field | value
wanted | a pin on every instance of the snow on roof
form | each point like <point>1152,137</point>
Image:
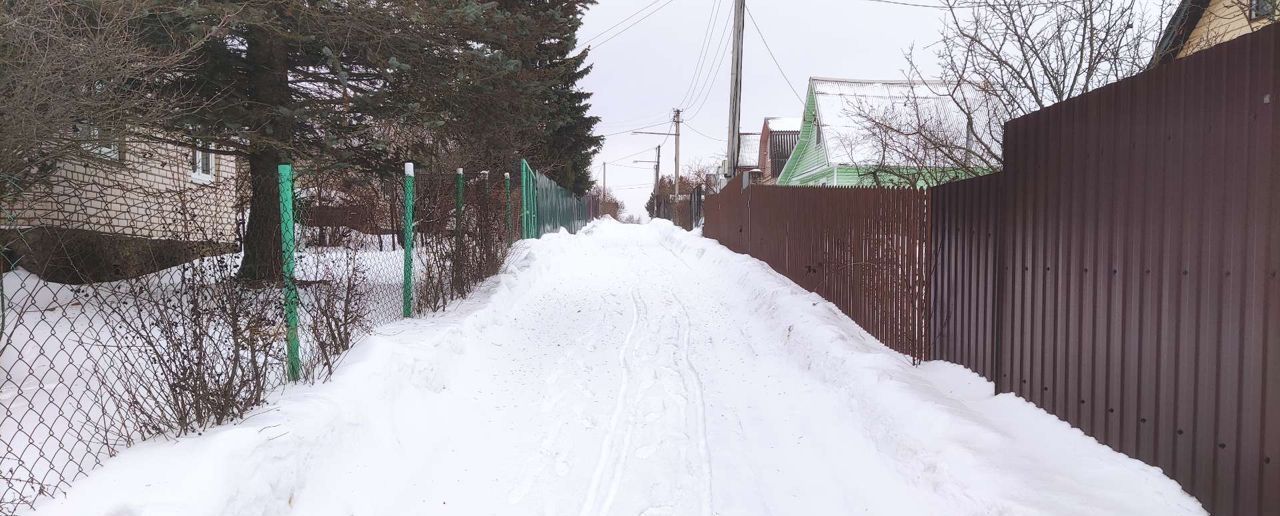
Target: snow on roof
<point>841,101</point>
<point>784,123</point>
<point>749,150</point>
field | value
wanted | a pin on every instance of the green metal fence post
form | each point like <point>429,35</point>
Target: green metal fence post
<point>4,300</point>
<point>506,184</point>
<point>408,240</point>
<point>526,201</point>
<point>293,360</point>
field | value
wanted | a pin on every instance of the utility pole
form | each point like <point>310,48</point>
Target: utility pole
<point>657,168</point>
<point>605,182</point>
<point>677,123</point>
<point>735,84</point>
<point>657,162</point>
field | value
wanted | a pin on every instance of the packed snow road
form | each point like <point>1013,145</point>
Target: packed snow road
<point>632,370</point>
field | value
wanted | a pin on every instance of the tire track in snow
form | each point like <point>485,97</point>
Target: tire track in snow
<point>606,447</point>
<point>689,375</point>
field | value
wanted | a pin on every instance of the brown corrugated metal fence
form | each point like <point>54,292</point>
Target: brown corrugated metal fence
<point>1123,272</point>
<point>963,284</point>
<point>863,249</point>
<point>1138,297</point>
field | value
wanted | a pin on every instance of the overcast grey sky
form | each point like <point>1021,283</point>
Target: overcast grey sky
<point>641,74</point>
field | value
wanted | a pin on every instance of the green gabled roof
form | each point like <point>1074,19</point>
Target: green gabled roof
<point>809,159</point>
<point>812,163</point>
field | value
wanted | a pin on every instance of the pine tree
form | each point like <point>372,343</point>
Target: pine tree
<point>564,142</point>
<point>362,86</point>
<point>325,82</point>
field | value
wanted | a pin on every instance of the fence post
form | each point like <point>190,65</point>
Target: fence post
<point>483,234</point>
<point>293,360</point>
<point>506,183</point>
<point>408,240</point>
<point>527,206</point>
<point>458,240</point>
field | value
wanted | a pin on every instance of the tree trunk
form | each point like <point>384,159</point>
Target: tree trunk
<point>268,83</point>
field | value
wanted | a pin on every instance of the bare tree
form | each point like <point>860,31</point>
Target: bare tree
<point>609,204</point>
<point>74,80</point>
<point>999,60</point>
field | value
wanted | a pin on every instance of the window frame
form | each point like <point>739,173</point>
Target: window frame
<point>99,142</point>
<point>204,165</point>
<point>1261,9</point>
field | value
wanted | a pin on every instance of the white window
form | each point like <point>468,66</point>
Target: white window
<point>1261,9</point>
<point>98,141</point>
<point>202,165</point>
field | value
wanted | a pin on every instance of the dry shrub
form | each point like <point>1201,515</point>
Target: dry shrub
<point>337,311</point>
<point>196,347</point>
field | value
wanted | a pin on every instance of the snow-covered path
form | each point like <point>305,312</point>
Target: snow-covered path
<point>635,370</point>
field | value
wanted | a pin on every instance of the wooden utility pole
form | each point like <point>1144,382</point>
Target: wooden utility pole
<point>677,123</point>
<point>735,85</point>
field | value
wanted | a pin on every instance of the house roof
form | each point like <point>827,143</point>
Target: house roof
<point>838,103</point>
<point>1175,35</point>
<point>781,124</point>
<point>748,150</point>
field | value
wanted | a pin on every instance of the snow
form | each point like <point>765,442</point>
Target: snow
<point>784,123</point>
<point>632,369</point>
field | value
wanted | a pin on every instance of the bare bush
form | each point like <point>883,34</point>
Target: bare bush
<point>75,81</point>
<point>337,308</point>
<point>197,347</point>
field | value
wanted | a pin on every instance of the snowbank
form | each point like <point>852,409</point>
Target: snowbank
<point>632,370</point>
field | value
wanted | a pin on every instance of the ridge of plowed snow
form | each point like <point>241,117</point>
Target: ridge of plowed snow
<point>632,369</point>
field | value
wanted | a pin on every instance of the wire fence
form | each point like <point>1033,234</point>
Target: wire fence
<point>123,316</point>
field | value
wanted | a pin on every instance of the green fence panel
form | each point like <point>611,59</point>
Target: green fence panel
<point>547,206</point>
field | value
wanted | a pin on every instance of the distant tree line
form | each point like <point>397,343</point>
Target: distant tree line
<point>342,86</point>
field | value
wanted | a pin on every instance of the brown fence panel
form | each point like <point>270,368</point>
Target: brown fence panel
<point>725,216</point>
<point>963,283</point>
<point>864,249</point>
<point>1123,272</point>
<point>1136,242</point>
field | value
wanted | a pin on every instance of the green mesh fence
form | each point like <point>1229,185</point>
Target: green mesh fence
<point>122,315</point>
<point>547,206</point>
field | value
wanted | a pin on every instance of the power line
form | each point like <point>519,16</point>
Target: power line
<point>636,129</point>
<point>649,169</point>
<point>651,119</point>
<point>711,84</point>
<point>704,135</point>
<point>773,57</point>
<point>620,22</point>
<point>707,33</point>
<point>907,4</point>
<point>633,24</point>
<point>704,91</point>
<point>972,5</point>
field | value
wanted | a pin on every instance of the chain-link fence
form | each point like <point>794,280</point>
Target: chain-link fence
<point>123,317</point>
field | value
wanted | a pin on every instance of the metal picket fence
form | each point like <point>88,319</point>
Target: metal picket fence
<point>549,207</point>
<point>123,317</point>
